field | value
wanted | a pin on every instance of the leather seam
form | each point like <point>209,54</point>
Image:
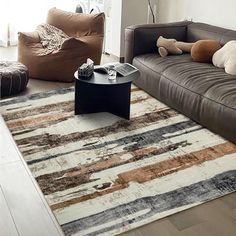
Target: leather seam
<point>128,42</point>
<point>202,96</point>
<point>156,27</point>
<point>210,31</point>
<point>215,32</point>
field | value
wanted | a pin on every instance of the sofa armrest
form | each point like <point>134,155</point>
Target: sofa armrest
<point>141,39</point>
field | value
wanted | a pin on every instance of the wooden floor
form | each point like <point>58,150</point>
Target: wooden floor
<point>215,218</point>
<point>23,209</point>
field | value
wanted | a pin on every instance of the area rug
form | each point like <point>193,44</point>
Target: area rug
<point>103,175</point>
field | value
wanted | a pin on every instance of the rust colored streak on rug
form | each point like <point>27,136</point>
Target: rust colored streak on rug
<point>154,171</point>
<point>63,180</point>
<point>31,123</point>
<point>117,159</point>
<point>31,111</point>
<point>146,173</point>
<point>140,99</point>
<point>135,89</point>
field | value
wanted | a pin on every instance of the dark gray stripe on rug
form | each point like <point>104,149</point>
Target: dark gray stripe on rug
<point>35,96</point>
<point>153,136</point>
<point>132,142</point>
<point>202,191</point>
<point>40,142</point>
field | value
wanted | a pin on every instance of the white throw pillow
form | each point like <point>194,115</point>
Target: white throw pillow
<point>226,57</point>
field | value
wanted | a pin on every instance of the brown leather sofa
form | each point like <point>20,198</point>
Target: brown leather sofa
<point>86,32</point>
<point>200,91</point>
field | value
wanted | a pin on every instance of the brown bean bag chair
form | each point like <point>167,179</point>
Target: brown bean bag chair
<point>86,32</point>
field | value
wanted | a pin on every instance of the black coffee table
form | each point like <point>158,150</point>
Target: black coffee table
<point>99,94</point>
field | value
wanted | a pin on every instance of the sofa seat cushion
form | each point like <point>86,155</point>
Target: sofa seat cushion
<point>152,67</point>
<point>200,91</point>
<point>203,79</point>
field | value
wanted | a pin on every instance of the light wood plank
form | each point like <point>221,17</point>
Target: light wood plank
<point>161,227</point>
<point>230,201</point>
<point>187,219</point>
<point>8,152</point>
<point>225,228</point>
<point>7,225</point>
<point>29,210</point>
<point>25,204</point>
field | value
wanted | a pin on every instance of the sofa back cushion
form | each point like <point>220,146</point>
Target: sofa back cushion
<point>198,31</point>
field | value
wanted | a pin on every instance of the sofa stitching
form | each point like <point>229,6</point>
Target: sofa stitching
<point>157,27</point>
<point>225,34</point>
<point>210,31</point>
<point>186,88</point>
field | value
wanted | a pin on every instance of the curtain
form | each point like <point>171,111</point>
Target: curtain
<point>3,23</point>
<point>25,15</point>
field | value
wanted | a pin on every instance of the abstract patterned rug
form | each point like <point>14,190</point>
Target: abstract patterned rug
<point>102,175</point>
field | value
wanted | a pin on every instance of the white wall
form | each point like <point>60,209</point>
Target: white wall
<point>216,12</point>
<point>133,12</point>
<point>123,14</point>
<point>115,24</point>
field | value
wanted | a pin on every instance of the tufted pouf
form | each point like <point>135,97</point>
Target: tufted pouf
<point>14,78</point>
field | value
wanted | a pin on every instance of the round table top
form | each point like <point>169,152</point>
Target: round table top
<point>102,79</point>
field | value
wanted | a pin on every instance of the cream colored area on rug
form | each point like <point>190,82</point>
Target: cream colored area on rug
<point>103,175</point>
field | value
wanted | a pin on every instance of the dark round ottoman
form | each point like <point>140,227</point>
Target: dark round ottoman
<point>14,78</point>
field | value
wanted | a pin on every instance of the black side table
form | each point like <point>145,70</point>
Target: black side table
<point>99,94</point>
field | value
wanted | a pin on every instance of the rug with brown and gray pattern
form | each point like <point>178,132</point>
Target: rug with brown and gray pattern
<point>103,175</point>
